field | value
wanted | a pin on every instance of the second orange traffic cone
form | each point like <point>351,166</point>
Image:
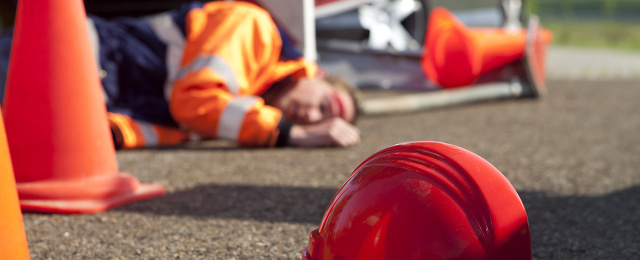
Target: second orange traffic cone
<point>13,241</point>
<point>454,55</point>
<point>56,120</point>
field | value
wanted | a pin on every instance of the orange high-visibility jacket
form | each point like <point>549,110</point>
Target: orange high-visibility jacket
<point>231,55</point>
<point>194,72</point>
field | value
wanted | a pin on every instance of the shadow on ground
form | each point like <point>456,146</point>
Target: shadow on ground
<point>306,205</point>
<point>611,220</point>
<point>580,227</point>
<point>259,203</point>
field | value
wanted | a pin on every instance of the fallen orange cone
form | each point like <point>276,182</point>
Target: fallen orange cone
<point>56,120</point>
<point>13,241</point>
<point>455,56</point>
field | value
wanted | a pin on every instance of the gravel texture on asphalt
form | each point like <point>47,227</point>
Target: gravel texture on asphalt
<point>573,156</point>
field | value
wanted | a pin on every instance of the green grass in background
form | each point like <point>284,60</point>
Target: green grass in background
<point>601,34</point>
<point>589,9</point>
<point>591,23</point>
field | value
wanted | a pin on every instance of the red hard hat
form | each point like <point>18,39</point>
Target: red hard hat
<point>423,200</point>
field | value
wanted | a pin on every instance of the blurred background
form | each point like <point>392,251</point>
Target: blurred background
<point>588,23</point>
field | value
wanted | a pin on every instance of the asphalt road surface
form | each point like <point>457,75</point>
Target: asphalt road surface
<point>573,156</point>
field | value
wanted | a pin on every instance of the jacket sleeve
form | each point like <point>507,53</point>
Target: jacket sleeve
<point>202,105</point>
<point>231,51</point>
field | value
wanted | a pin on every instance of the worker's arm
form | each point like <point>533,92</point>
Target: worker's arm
<point>202,104</point>
<point>210,111</point>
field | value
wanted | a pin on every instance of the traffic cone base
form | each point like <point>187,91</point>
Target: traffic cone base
<point>85,196</point>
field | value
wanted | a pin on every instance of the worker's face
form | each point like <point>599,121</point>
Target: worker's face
<point>313,100</point>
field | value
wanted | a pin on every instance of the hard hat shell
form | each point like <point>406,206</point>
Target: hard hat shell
<point>423,200</point>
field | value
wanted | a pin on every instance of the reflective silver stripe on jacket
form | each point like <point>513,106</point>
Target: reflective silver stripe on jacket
<point>231,120</point>
<point>150,135</point>
<point>95,47</point>
<point>216,64</point>
<point>166,29</point>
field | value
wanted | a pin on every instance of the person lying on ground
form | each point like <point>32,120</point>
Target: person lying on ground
<point>214,70</point>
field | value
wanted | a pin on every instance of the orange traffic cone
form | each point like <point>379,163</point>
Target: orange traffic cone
<point>57,127</point>
<point>454,55</point>
<point>13,240</point>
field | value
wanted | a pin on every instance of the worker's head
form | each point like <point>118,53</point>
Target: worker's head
<point>311,100</point>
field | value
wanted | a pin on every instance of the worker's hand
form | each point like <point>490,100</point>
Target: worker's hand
<point>331,132</point>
